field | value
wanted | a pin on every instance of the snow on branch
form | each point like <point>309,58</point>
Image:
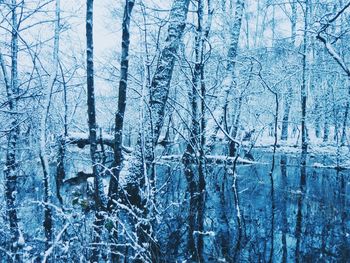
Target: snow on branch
<point>334,54</point>
<point>49,251</point>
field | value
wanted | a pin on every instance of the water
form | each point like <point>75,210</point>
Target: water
<point>295,216</point>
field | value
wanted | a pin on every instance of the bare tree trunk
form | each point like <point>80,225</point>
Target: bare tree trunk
<point>318,118</point>
<point>232,54</point>
<point>257,23</point>
<point>326,110</point>
<point>189,158</point>
<point>141,175</point>
<point>304,142</point>
<point>234,128</point>
<point>272,192</point>
<point>163,74</point>
<point>195,168</point>
<point>43,123</point>
<point>228,82</point>
<point>294,20</point>
<point>60,171</point>
<point>273,204</point>
<point>345,119</point>
<point>288,97</point>
<point>285,120</point>
<point>98,185</point>
<point>119,122</point>
<point>11,165</point>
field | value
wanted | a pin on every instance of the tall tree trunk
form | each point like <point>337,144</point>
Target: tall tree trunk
<point>232,54</point>
<point>119,122</point>
<point>228,82</point>
<point>11,165</point>
<point>294,20</point>
<point>235,125</point>
<point>98,184</point>
<point>285,119</point>
<point>326,109</point>
<point>304,142</point>
<point>190,160</point>
<point>288,97</point>
<point>345,118</point>
<point>60,170</point>
<point>273,204</point>
<point>195,168</point>
<point>43,123</point>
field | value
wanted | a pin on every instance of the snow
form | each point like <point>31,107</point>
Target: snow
<point>209,158</point>
<point>28,248</point>
<point>21,242</point>
<point>85,135</point>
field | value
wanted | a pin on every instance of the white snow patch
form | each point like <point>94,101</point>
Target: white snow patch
<point>21,240</point>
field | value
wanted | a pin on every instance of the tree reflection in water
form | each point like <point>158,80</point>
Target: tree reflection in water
<point>297,215</point>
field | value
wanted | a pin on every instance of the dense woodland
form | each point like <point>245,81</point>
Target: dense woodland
<point>174,131</point>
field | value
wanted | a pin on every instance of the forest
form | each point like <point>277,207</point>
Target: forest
<point>174,131</point>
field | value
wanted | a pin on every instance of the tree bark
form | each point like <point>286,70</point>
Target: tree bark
<point>288,97</point>
<point>48,224</point>
<point>304,143</point>
<point>119,121</point>
<point>98,184</point>
<point>228,81</point>
<point>11,165</point>
<point>141,174</point>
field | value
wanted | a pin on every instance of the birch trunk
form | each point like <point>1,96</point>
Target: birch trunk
<point>228,82</point>
<point>141,175</point>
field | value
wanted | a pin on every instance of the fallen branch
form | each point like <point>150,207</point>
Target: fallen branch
<point>82,140</point>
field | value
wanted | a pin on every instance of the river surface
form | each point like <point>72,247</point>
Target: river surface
<point>297,215</point>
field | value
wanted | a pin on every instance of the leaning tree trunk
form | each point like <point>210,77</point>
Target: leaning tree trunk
<point>141,175</point>
<point>119,123</point>
<point>228,82</point>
